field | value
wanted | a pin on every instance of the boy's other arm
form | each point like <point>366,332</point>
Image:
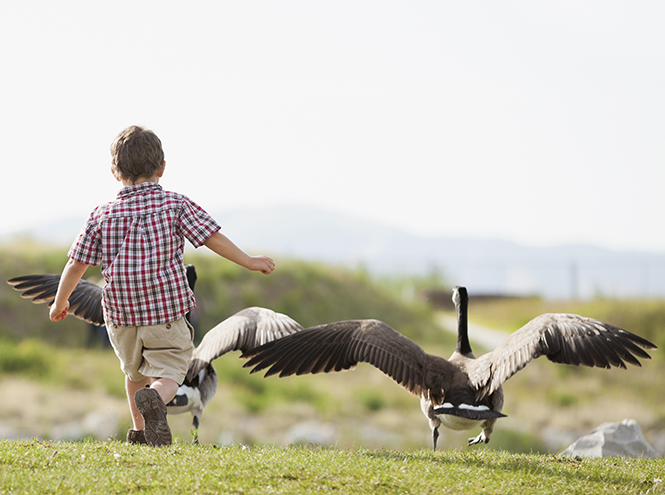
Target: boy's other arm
<point>224,247</point>
<point>71,275</point>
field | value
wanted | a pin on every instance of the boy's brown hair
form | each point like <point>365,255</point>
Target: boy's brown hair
<point>136,152</point>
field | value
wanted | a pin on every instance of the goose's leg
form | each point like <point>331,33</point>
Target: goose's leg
<point>195,424</point>
<point>434,422</point>
<point>479,439</point>
<point>484,437</point>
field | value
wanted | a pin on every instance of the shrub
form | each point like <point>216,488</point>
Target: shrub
<point>29,357</point>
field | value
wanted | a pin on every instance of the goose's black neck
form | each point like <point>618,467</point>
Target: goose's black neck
<point>461,300</point>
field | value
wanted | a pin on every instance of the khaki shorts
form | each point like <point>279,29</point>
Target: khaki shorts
<point>157,351</point>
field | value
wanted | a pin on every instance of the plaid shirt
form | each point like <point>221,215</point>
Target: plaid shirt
<point>139,240</point>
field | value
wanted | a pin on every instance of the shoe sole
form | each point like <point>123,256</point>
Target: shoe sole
<point>157,431</point>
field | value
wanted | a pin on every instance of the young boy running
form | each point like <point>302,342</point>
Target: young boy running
<point>139,241</point>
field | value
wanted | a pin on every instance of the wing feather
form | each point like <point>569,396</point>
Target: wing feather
<point>85,302</point>
<point>562,338</point>
<point>341,346</point>
<point>243,331</point>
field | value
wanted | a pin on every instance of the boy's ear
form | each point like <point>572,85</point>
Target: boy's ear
<point>160,171</point>
<point>115,174</point>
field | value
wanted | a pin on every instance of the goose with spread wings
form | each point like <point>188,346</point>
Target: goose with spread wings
<point>462,392</point>
<point>243,331</point>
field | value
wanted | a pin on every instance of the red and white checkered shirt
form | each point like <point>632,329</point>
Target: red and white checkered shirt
<point>139,239</point>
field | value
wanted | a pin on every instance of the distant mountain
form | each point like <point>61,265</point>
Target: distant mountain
<point>484,266</point>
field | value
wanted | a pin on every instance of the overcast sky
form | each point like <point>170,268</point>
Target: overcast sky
<point>538,122</point>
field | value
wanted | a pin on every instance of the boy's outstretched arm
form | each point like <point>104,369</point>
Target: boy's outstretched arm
<point>71,275</point>
<point>224,247</point>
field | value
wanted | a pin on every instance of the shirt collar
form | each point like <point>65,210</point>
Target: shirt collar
<point>141,188</point>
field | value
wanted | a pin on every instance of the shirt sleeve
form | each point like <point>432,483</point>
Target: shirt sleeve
<point>196,224</point>
<point>87,246</point>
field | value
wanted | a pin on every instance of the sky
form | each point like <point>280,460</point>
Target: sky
<point>537,122</point>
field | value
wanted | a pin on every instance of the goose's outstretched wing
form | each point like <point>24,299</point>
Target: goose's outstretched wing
<point>341,346</point>
<point>84,303</point>
<point>244,331</point>
<point>562,338</point>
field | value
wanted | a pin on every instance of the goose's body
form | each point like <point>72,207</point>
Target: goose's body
<point>243,332</point>
<point>462,392</point>
<point>193,396</point>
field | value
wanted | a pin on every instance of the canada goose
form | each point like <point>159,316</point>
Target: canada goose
<point>243,331</point>
<point>462,392</point>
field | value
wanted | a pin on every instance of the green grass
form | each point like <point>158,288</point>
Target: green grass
<point>113,467</point>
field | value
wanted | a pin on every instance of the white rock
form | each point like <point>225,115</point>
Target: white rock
<point>623,439</point>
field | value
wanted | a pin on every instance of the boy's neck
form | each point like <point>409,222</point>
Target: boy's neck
<point>140,180</point>
<point>153,178</point>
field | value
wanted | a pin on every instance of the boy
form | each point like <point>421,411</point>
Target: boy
<point>139,241</point>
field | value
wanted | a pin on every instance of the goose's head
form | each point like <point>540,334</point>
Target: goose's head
<point>460,296</point>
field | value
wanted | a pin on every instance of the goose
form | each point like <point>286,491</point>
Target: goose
<point>462,392</point>
<point>243,331</point>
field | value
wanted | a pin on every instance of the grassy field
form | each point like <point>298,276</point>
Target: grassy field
<point>94,467</point>
<point>376,436</point>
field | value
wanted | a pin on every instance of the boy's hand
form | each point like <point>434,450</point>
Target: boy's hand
<point>58,313</point>
<point>71,275</point>
<point>262,264</point>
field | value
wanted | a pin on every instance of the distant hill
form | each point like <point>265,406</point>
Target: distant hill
<point>483,265</point>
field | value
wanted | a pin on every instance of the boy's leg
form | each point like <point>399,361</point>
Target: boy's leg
<point>153,409</point>
<point>127,346</point>
<point>132,387</point>
<point>165,387</point>
<point>166,348</point>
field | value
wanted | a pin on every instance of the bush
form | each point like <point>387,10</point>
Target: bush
<point>29,357</point>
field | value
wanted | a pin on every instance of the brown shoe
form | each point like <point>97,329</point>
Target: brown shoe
<point>153,409</point>
<point>135,437</point>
